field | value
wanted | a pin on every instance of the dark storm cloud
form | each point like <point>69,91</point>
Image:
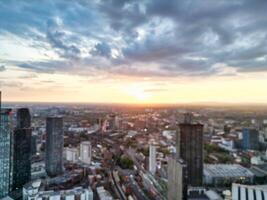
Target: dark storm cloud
<point>123,15</point>
<point>150,38</point>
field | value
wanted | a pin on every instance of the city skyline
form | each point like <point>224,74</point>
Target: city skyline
<point>124,152</point>
<point>133,51</point>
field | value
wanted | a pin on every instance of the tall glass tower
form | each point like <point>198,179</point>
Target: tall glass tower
<point>54,146</point>
<point>22,149</point>
<point>189,147</point>
<point>5,151</point>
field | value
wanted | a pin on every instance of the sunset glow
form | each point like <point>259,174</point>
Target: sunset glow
<point>132,52</point>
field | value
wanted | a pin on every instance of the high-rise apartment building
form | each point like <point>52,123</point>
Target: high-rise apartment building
<point>189,147</point>
<point>54,146</point>
<point>152,159</point>
<point>86,152</point>
<point>5,152</point>
<point>177,179</point>
<point>21,170</point>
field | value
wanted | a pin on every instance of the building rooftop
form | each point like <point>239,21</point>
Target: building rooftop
<point>226,170</point>
<point>261,168</point>
<point>34,188</point>
<point>103,194</point>
<point>33,184</point>
<point>260,187</point>
<point>76,190</point>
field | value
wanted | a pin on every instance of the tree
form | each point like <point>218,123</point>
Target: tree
<point>126,162</point>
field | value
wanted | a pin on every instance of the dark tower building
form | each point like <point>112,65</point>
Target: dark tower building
<point>21,158</point>
<point>34,145</point>
<point>22,149</point>
<point>54,146</point>
<point>23,118</point>
<point>189,147</point>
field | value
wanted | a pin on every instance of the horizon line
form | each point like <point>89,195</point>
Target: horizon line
<point>200,103</point>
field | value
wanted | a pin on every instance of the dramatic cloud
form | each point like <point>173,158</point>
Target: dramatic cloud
<point>138,38</point>
<point>101,49</point>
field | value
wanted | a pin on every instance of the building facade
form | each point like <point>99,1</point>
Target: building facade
<point>54,146</point>
<point>86,152</point>
<point>250,139</point>
<point>177,179</point>
<point>23,118</point>
<point>189,147</point>
<point>152,159</point>
<point>21,158</point>
<point>5,152</point>
<point>22,149</point>
<point>71,154</point>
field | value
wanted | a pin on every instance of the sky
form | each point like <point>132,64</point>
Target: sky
<point>134,51</point>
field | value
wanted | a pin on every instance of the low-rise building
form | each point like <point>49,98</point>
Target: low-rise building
<point>38,170</point>
<point>221,174</point>
<point>35,191</point>
<point>256,160</point>
<point>71,154</point>
<point>247,192</point>
<point>200,193</point>
<point>103,194</point>
<point>260,173</point>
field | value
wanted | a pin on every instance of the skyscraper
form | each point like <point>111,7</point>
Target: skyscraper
<point>177,179</point>
<point>189,147</point>
<point>152,159</point>
<point>5,151</point>
<point>33,144</point>
<point>85,152</point>
<point>23,118</point>
<point>112,122</point>
<point>22,149</point>
<point>250,139</point>
<point>54,146</point>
